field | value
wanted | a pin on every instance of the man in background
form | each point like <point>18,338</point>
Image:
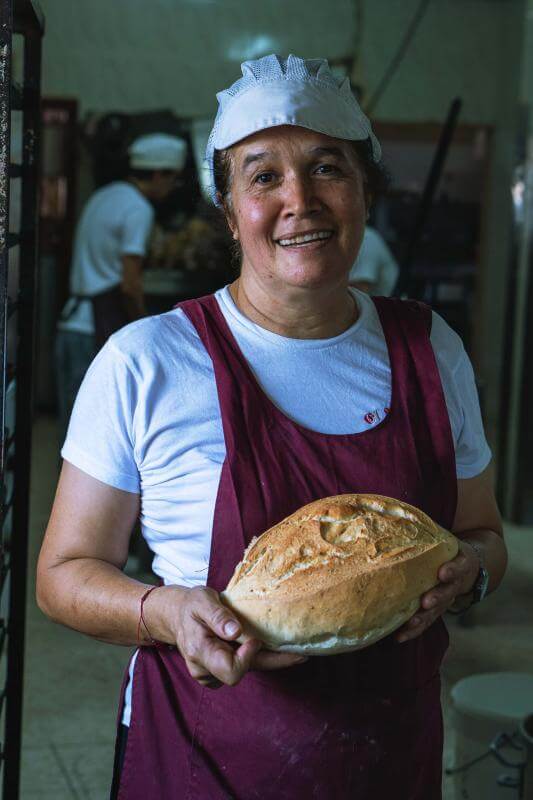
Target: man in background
<point>375,270</point>
<point>110,244</point>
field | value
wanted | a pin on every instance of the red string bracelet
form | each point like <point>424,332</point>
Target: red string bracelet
<point>142,621</point>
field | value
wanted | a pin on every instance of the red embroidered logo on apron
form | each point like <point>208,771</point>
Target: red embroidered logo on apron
<point>375,416</point>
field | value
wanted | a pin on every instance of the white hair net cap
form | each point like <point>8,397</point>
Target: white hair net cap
<point>158,151</point>
<point>287,91</point>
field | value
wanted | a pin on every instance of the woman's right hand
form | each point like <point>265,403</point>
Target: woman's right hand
<point>205,631</point>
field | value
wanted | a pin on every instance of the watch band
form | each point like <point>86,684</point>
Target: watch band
<point>481,585</point>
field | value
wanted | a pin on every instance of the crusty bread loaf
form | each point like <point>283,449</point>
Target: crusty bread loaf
<point>339,574</point>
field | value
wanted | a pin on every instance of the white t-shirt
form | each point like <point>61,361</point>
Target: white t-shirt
<point>115,222</point>
<point>147,417</point>
<point>375,264</point>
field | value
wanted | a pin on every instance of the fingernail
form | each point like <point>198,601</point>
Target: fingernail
<point>231,628</point>
<point>301,660</point>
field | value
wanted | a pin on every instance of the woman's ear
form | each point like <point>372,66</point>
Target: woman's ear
<point>230,219</point>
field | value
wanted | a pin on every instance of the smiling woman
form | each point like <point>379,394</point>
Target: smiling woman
<point>329,159</point>
<point>298,210</point>
<point>219,419</point>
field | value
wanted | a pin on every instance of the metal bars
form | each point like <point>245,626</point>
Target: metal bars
<point>6,27</point>
<point>22,17</point>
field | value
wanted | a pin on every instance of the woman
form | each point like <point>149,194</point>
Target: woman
<point>218,419</point>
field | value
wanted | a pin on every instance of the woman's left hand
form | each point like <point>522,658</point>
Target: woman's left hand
<point>456,577</point>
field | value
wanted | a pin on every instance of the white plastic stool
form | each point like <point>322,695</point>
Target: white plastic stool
<point>484,706</point>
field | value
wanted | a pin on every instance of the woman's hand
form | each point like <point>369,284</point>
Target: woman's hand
<point>456,577</point>
<point>205,631</point>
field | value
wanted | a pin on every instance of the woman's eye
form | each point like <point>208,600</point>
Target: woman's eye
<point>264,177</point>
<point>326,169</point>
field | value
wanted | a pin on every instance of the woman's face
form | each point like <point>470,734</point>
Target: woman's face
<point>297,207</point>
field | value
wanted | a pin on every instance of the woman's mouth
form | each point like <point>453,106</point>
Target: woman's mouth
<point>303,239</point>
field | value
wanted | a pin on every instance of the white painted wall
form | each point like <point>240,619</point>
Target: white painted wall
<point>133,54</point>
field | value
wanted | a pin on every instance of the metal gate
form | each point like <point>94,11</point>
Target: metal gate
<point>19,148</point>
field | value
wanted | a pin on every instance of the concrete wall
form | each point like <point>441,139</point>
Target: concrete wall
<point>132,55</point>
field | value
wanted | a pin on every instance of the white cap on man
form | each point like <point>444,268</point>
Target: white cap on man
<point>158,151</point>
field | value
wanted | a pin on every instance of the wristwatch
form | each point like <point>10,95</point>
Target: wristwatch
<point>465,601</point>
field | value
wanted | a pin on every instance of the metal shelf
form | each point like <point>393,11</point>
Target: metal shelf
<point>25,18</point>
<point>16,97</point>
<point>3,516</point>
<point>12,307</point>
<point>3,636</point>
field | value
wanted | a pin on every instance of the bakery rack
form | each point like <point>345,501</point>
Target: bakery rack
<point>21,23</point>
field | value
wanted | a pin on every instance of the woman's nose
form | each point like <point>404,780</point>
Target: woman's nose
<point>300,196</point>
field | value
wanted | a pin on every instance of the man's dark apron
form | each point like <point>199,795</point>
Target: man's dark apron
<point>364,725</point>
<point>109,313</point>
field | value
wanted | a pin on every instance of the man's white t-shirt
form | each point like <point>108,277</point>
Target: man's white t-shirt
<point>147,417</point>
<point>375,265</point>
<point>116,221</point>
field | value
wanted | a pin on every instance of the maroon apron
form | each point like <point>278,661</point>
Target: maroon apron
<point>363,725</point>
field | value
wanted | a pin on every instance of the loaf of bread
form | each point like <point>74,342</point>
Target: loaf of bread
<point>337,575</point>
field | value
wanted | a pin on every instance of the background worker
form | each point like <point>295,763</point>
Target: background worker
<point>106,273</point>
<point>375,270</point>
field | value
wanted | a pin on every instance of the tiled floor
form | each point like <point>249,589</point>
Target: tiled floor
<point>72,682</point>
<point>499,639</point>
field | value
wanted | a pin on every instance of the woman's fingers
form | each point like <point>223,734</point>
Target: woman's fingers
<point>432,605</point>
<point>456,577</point>
<point>441,596</point>
<point>417,624</point>
<point>267,660</point>
<point>209,610</point>
<point>252,657</point>
<point>206,640</point>
<point>206,679</point>
<point>245,655</point>
<point>222,661</point>
<point>462,570</point>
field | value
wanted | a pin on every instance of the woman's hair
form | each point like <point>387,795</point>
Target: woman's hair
<point>376,176</point>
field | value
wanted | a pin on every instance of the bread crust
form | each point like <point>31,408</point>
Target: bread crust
<point>338,574</point>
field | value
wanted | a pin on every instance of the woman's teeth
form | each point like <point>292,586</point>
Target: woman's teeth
<point>305,238</point>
